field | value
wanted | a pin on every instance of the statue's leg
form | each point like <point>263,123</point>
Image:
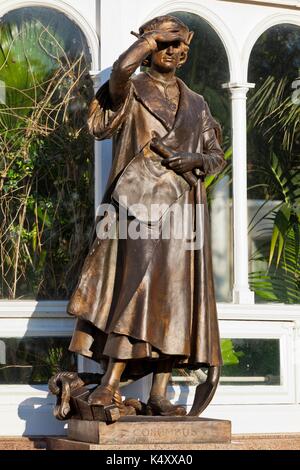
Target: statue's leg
<point>161,377</point>
<point>158,404</point>
<point>103,394</point>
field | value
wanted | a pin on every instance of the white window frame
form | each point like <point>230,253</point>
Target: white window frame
<point>29,408</point>
<point>48,318</point>
<point>253,394</point>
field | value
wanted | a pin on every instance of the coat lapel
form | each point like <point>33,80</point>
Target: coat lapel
<point>183,132</point>
<point>147,93</point>
<point>187,128</point>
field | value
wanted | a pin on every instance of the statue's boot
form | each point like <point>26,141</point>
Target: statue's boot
<point>159,405</point>
<point>102,396</point>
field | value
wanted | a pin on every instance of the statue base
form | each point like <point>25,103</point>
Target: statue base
<point>143,430</point>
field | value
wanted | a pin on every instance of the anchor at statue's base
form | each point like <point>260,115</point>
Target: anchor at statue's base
<point>74,399</point>
<point>124,423</point>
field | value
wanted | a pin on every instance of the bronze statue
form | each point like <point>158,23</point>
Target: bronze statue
<point>147,304</point>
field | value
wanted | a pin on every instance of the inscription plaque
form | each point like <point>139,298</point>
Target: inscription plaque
<point>147,430</point>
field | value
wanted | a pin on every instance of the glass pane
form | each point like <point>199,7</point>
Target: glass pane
<point>46,154</point>
<point>274,165</point>
<point>246,362</point>
<point>256,362</point>
<point>204,72</point>
<point>34,360</point>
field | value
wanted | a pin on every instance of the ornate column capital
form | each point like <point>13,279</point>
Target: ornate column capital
<point>238,90</point>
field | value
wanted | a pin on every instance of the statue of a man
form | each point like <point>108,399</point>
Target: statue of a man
<point>147,304</point>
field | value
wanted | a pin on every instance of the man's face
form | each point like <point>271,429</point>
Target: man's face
<point>167,57</point>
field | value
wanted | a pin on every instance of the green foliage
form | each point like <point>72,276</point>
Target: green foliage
<point>286,217</point>
<point>274,164</point>
<point>230,358</point>
<point>229,355</point>
<point>27,58</point>
<point>273,111</point>
<point>279,283</point>
<point>257,357</point>
<point>35,359</point>
<point>46,169</point>
<point>207,69</point>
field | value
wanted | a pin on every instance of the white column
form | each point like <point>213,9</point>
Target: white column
<point>84,364</point>
<point>220,239</point>
<point>96,77</point>
<point>241,291</point>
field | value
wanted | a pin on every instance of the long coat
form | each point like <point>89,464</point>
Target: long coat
<point>141,299</point>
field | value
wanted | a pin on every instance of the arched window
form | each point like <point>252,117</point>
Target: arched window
<point>274,165</point>
<point>46,209</point>
<point>205,71</point>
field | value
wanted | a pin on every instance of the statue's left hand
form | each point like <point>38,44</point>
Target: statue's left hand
<point>181,162</point>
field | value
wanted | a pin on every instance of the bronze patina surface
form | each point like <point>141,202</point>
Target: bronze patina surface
<point>148,304</point>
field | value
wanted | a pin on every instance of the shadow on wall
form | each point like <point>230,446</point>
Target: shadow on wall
<point>37,412</point>
<point>30,361</point>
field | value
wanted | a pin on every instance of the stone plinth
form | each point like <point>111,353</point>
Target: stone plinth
<point>150,430</point>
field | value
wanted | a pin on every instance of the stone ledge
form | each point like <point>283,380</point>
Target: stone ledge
<point>290,441</point>
<point>22,443</point>
<point>239,442</point>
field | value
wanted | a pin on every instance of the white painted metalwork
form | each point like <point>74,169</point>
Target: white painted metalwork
<point>28,409</point>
